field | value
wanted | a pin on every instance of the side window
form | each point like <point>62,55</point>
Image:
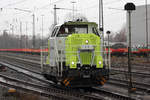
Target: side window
<point>56,31</point>
<point>53,33</point>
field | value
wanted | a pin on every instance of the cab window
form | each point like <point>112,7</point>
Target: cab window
<point>70,29</point>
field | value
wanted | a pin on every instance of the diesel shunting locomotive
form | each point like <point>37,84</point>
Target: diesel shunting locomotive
<point>75,55</point>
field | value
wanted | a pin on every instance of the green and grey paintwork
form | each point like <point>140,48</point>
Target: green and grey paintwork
<point>71,44</point>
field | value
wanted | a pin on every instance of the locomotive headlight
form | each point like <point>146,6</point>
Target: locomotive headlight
<point>100,62</point>
<point>72,63</point>
<point>86,41</point>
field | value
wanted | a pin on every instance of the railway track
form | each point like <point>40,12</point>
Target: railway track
<point>136,73</point>
<point>117,63</point>
<point>37,65</point>
<point>21,55</point>
<point>142,87</point>
<point>27,72</point>
<point>25,63</point>
<point>140,80</point>
<point>111,94</point>
<point>48,90</point>
<point>38,89</point>
<point>22,58</point>
<point>106,94</point>
<point>59,93</point>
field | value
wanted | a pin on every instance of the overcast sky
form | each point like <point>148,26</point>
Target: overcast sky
<point>114,17</point>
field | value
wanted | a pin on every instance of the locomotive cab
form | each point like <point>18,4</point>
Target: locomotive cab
<point>74,56</point>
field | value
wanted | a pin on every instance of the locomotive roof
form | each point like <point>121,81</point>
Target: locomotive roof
<point>80,23</point>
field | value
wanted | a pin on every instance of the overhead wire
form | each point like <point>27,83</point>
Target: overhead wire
<point>123,1</point>
<point>57,1</point>
<point>106,3</point>
<point>93,6</point>
<point>15,3</point>
<point>114,1</point>
<point>51,4</point>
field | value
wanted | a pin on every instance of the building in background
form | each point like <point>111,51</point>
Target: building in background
<point>138,26</point>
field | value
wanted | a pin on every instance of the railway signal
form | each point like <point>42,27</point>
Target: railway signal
<point>129,7</point>
<point>108,33</point>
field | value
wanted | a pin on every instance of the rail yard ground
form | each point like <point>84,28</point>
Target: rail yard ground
<point>18,95</point>
<point>140,66</point>
<point>117,84</point>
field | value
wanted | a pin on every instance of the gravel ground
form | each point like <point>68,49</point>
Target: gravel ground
<point>18,95</point>
<point>22,96</point>
<point>139,64</point>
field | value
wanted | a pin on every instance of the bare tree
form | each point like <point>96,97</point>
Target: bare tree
<point>121,36</point>
<point>11,41</point>
<point>111,37</point>
<point>118,37</point>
